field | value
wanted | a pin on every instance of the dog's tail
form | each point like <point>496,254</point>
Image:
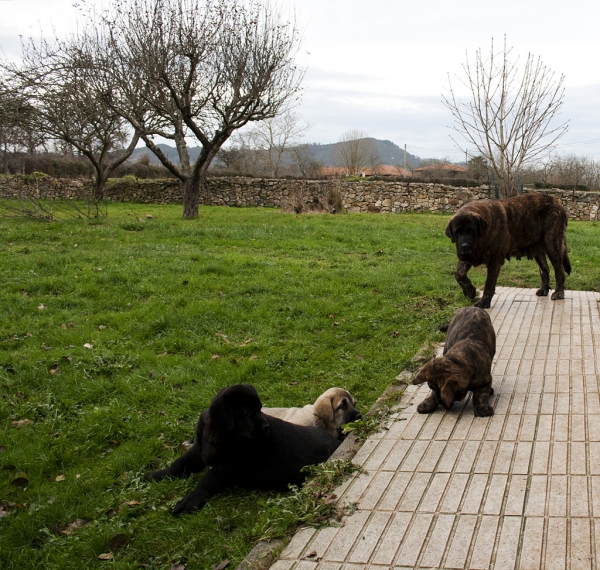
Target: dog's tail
<point>566,261</point>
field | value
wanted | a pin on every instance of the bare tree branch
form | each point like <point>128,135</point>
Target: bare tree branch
<point>510,115</point>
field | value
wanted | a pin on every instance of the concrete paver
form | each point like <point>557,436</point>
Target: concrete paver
<point>520,489</point>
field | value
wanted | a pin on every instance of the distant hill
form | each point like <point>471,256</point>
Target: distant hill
<point>389,153</point>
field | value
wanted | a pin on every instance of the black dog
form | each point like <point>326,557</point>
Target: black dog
<point>465,365</point>
<point>244,447</point>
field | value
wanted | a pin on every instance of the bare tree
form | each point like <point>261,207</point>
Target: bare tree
<point>277,135</point>
<point>67,105</point>
<point>196,69</point>
<point>18,129</point>
<point>509,116</point>
<point>303,156</point>
<point>355,152</point>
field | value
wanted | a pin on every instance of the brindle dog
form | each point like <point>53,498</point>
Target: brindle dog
<point>491,231</point>
<point>465,365</point>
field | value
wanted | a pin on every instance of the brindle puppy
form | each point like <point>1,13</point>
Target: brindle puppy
<point>489,232</point>
<point>465,365</point>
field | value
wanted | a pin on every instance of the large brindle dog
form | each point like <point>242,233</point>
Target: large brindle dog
<point>465,365</point>
<point>244,447</point>
<point>491,231</point>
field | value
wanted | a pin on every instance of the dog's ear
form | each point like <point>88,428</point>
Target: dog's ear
<point>482,225</point>
<point>450,232</point>
<point>221,414</point>
<point>447,394</point>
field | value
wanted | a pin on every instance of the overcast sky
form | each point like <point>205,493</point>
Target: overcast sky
<point>381,66</point>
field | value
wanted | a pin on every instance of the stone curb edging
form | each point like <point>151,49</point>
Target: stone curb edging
<point>265,552</point>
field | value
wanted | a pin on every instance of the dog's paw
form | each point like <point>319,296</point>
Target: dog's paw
<point>558,295</point>
<point>483,303</point>
<point>542,292</point>
<point>428,405</point>
<point>155,475</point>
<point>470,291</point>
<point>187,505</point>
<point>483,411</point>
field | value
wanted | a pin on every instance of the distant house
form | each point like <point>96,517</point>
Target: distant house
<point>381,170</point>
<point>440,171</point>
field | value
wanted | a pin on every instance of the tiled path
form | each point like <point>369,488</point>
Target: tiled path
<point>518,490</point>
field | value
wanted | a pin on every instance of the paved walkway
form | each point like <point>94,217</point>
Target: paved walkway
<point>518,490</point>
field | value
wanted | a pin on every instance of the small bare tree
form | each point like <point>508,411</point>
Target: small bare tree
<point>67,105</point>
<point>509,116</point>
<point>196,69</point>
<point>275,136</point>
<point>355,152</point>
<point>303,156</point>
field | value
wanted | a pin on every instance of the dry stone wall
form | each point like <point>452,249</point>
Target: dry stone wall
<point>357,196</point>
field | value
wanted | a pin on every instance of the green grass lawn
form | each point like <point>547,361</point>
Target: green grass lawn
<point>116,334</point>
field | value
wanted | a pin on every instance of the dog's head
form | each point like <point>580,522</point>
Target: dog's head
<point>465,230</point>
<point>334,408</point>
<point>234,414</point>
<point>445,379</point>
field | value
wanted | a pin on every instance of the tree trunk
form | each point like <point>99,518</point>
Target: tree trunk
<point>191,196</point>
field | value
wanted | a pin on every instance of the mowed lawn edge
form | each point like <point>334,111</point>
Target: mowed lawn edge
<point>117,333</point>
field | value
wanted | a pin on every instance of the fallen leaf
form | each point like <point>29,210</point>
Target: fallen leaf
<point>117,542</point>
<point>293,383</point>
<point>335,324</point>
<point>247,342</point>
<point>3,513</point>
<point>71,527</point>
<point>75,245</point>
<point>331,499</point>
<point>88,346</point>
<point>111,513</point>
<point>51,500</point>
<point>223,336</point>
<point>131,503</point>
<point>63,326</point>
<point>360,357</point>
<point>177,567</point>
<point>311,554</point>
<point>148,216</point>
<point>106,556</point>
<point>60,477</point>
<point>101,327</point>
<point>214,356</point>
<point>53,369</point>
<point>20,423</point>
<point>395,334</point>
<point>221,565</point>
<point>41,306</point>
<point>332,316</point>
<point>253,357</point>
<point>20,481</point>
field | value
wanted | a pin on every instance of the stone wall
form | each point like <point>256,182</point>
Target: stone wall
<point>299,195</point>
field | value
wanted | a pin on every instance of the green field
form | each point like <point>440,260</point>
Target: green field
<point>171,311</point>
